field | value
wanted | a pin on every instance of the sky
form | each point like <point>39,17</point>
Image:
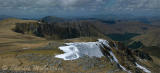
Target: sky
<point>77,7</point>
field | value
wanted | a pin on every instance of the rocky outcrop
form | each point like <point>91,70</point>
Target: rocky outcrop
<point>142,55</point>
<point>60,30</point>
<point>125,58</point>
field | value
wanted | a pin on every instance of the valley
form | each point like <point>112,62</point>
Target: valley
<point>31,46</point>
<point>79,36</point>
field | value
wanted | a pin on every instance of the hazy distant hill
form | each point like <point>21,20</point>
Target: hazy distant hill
<point>52,19</point>
<point>108,26</point>
<point>5,17</point>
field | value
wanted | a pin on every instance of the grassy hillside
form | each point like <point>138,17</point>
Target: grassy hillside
<point>151,38</point>
<point>10,40</point>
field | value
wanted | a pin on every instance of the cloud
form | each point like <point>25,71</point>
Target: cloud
<point>47,3</point>
<point>138,4</point>
<point>50,6</point>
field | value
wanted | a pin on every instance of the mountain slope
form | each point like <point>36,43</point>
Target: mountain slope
<point>123,58</point>
<point>151,38</point>
<point>10,40</point>
<point>25,50</point>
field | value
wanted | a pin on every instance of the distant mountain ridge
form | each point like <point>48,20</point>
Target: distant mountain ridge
<point>52,19</point>
<point>5,17</point>
<point>56,27</point>
<point>72,28</point>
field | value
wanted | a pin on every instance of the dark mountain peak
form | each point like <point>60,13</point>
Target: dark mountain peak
<point>52,19</point>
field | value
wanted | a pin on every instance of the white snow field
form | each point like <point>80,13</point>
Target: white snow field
<point>76,50</point>
<point>79,49</point>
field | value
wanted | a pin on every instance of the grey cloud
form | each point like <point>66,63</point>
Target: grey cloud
<point>77,5</point>
<point>138,4</point>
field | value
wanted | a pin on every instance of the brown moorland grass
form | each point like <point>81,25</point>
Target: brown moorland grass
<point>10,40</point>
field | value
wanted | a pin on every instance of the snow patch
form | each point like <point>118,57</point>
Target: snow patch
<point>71,53</point>
<point>105,42</point>
<point>78,49</point>
<point>116,60</point>
<point>143,68</point>
<point>25,48</point>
